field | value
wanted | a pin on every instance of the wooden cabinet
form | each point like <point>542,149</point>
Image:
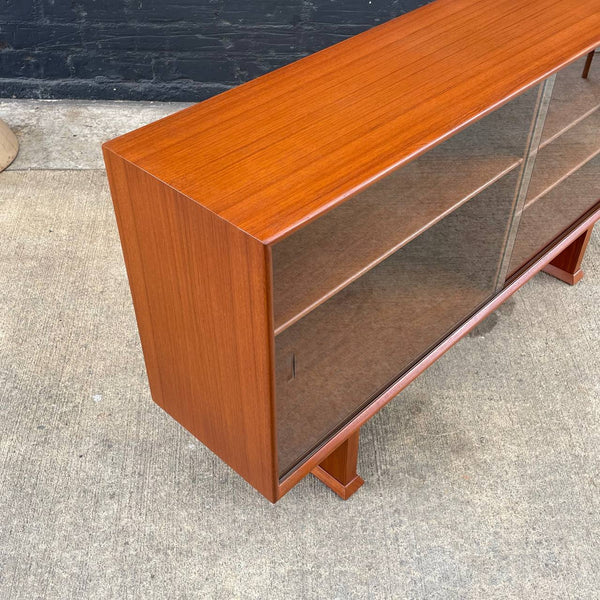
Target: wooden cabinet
<point>302,247</point>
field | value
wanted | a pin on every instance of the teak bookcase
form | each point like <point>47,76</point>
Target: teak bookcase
<point>302,247</point>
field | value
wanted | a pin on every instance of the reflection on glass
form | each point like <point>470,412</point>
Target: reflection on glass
<point>566,176</point>
<point>564,155</point>
<point>340,355</point>
<point>573,98</point>
<point>553,213</point>
<point>315,262</point>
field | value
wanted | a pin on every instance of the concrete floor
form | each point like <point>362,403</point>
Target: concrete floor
<point>482,479</point>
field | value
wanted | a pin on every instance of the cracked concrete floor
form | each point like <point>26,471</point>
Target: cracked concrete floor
<point>482,479</point>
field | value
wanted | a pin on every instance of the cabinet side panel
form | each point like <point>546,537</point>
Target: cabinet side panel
<point>199,288</point>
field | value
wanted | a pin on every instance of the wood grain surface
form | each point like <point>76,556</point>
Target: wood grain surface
<point>199,289</point>
<point>338,470</point>
<point>567,265</point>
<point>278,151</point>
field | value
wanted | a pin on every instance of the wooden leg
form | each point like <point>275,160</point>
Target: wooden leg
<point>338,470</point>
<point>588,64</point>
<point>567,265</point>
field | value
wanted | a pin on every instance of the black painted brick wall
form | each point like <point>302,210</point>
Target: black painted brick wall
<point>166,49</point>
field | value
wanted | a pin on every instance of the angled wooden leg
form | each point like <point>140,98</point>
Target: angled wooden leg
<point>338,470</point>
<point>588,64</point>
<point>567,265</point>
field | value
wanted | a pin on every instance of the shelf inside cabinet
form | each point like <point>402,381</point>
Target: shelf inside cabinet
<point>573,99</point>
<point>339,356</point>
<point>563,156</point>
<point>313,264</point>
<point>304,418</point>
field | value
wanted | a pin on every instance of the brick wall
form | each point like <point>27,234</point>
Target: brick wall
<point>166,49</point>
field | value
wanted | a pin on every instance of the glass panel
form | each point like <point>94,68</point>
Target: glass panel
<point>573,98</point>
<point>566,174</point>
<point>564,155</point>
<point>342,354</point>
<point>544,220</point>
<point>316,262</point>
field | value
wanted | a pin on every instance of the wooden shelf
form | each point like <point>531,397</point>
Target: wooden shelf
<point>318,261</point>
<point>563,156</point>
<point>333,253</point>
<point>573,99</point>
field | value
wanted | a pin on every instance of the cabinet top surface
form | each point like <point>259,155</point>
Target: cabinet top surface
<point>274,153</point>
